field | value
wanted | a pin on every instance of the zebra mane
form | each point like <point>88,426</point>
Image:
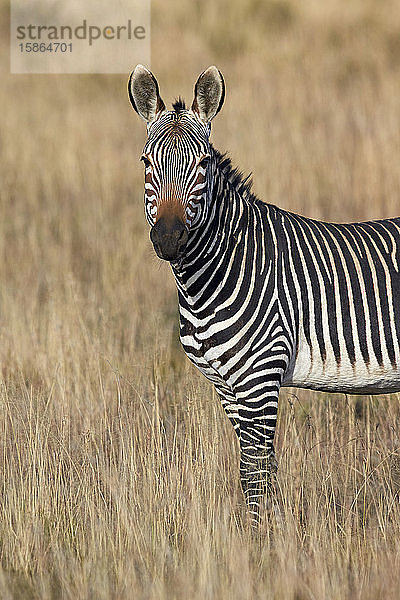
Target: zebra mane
<point>179,105</point>
<point>240,182</point>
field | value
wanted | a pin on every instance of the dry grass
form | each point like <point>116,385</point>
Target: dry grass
<point>118,471</point>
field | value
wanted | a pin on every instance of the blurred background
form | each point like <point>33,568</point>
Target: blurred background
<point>118,471</point>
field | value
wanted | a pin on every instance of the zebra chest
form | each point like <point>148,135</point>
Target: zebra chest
<point>201,347</point>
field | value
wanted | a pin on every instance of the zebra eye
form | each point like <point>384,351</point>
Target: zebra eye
<point>204,162</point>
<point>146,161</point>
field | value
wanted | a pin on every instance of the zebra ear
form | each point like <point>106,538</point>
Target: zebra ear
<point>209,94</point>
<point>144,94</point>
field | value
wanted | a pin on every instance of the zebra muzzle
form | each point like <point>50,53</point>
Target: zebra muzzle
<point>169,237</point>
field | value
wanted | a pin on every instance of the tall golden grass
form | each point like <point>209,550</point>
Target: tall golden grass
<point>118,469</point>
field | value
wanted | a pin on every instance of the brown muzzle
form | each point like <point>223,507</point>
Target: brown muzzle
<point>169,237</point>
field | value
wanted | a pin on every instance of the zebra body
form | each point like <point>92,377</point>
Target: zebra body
<point>267,298</point>
<point>318,357</point>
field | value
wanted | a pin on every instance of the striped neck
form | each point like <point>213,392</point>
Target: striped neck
<point>214,247</point>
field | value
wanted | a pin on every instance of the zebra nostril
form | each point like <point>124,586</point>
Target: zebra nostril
<point>154,235</point>
<point>183,236</point>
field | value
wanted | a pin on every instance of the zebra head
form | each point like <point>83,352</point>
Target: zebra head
<point>176,157</point>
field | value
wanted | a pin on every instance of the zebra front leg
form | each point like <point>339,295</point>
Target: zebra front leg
<point>258,465</point>
<point>230,406</point>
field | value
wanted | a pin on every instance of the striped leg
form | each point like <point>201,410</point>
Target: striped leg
<point>229,403</point>
<point>258,466</point>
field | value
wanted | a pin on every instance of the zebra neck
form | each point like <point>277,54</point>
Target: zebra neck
<point>218,250</point>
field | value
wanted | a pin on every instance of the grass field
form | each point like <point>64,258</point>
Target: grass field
<point>118,471</point>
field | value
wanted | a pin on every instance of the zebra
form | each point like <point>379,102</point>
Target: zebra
<point>267,298</point>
